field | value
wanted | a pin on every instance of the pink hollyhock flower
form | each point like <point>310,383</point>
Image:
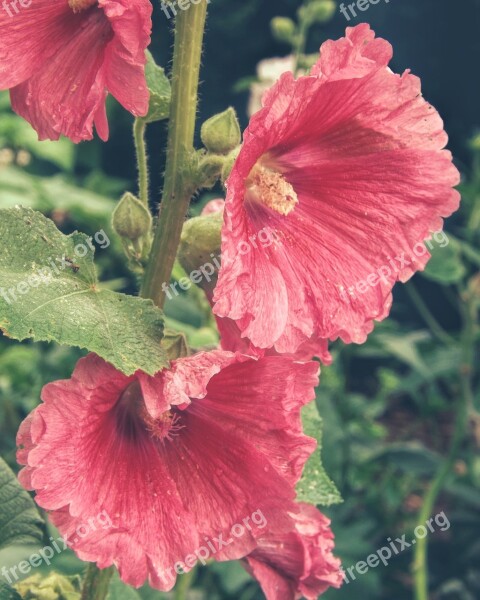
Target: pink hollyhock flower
<point>175,460</point>
<point>230,335</point>
<point>232,340</point>
<point>60,58</point>
<point>346,167</point>
<point>298,564</point>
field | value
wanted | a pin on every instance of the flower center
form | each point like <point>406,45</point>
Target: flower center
<point>79,5</point>
<point>165,427</point>
<point>272,189</point>
<point>133,418</point>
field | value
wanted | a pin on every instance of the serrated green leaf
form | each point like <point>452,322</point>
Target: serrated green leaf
<point>315,486</point>
<point>160,91</point>
<point>65,304</point>
<point>446,265</point>
<point>8,593</point>
<point>20,521</point>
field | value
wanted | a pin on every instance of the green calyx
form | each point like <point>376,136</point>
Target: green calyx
<point>132,221</point>
<point>199,251</point>
<point>221,133</point>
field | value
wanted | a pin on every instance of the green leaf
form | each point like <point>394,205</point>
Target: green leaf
<point>446,265</point>
<point>20,522</point>
<point>315,486</point>
<point>160,91</point>
<point>120,591</point>
<point>49,292</point>
<point>19,134</point>
<point>7,593</point>
<point>410,457</point>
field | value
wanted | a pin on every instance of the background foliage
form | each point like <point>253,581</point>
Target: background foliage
<point>388,406</point>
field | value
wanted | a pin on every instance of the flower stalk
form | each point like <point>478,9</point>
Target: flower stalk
<point>96,583</point>
<point>420,562</point>
<point>139,128</point>
<point>179,183</point>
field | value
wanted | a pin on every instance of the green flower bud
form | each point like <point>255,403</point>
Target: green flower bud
<point>319,11</point>
<point>283,29</point>
<point>221,133</point>
<point>199,249</point>
<point>53,587</point>
<point>131,219</point>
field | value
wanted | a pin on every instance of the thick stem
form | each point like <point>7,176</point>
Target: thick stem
<point>179,186</point>
<point>139,128</point>
<point>420,562</point>
<point>96,582</point>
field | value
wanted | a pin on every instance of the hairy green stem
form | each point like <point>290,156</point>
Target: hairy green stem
<point>420,562</point>
<point>184,584</point>
<point>96,582</point>
<point>178,186</point>
<point>139,128</point>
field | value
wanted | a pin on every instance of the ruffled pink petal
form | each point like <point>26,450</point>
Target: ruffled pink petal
<point>363,152</point>
<point>299,563</point>
<point>30,37</point>
<point>91,449</point>
<point>231,339</point>
<point>125,55</point>
<point>69,61</point>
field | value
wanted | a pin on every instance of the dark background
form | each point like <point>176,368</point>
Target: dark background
<point>438,40</point>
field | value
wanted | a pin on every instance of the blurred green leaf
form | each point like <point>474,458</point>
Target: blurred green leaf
<point>20,522</point>
<point>120,591</point>
<point>232,575</point>
<point>17,133</point>
<point>67,307</point>
<point>409,457</point>
<point>446,265</point>
<point>7,593</point>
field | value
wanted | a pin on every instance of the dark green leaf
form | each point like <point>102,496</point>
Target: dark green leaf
<point>20,522</point>
<point>65,303</point>
<point>7,593</point>
<point>160,91</point>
